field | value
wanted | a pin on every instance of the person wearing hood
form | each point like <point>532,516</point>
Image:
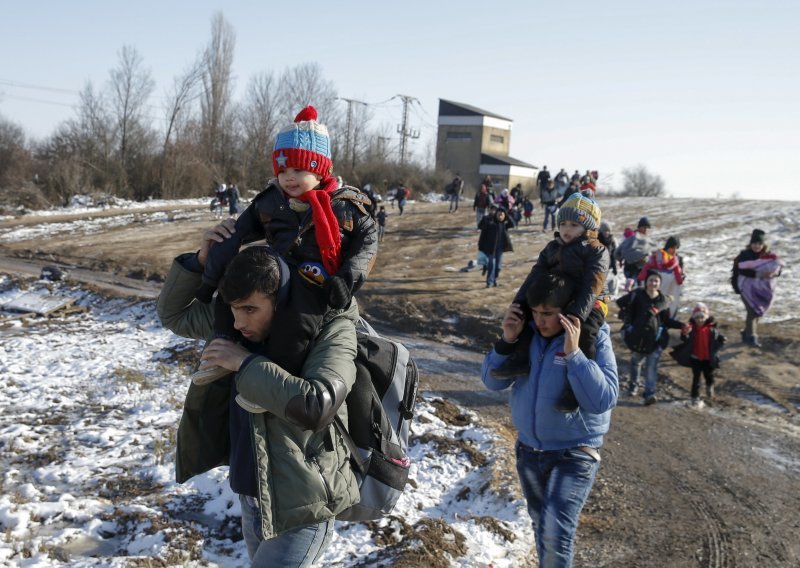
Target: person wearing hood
<point>753,278</point>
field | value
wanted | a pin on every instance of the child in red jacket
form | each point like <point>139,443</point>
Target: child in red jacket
<point>706,341</point>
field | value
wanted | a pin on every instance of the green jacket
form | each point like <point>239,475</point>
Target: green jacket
<point>304,475</point>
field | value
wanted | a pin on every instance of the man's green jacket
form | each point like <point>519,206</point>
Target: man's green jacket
<point>304,476</point>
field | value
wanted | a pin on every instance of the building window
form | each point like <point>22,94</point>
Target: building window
<point>496,138</point>
<point>463,136</point>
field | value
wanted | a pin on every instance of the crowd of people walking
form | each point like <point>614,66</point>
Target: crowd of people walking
<point>554,350</point>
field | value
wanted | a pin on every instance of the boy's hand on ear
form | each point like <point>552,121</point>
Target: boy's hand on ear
<point>339,294</point>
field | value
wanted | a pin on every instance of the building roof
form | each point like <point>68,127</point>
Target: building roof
<point>452,108</point>
<point>498,160</point>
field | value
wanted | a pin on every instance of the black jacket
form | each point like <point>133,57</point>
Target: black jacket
<point>494,236</point>
<point>683,352</point>
<point>583,260</point>
<point>270,217</point>
<point>645,321</point>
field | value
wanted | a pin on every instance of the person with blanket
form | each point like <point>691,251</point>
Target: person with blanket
<point>753,278</point>
<point>667,262</point>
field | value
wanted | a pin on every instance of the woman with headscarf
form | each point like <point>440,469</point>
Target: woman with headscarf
<point>753,278</point>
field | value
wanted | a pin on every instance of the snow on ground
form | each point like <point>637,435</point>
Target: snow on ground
<point>712,233</point>
<point>88,415</point>
<point>90,406</point>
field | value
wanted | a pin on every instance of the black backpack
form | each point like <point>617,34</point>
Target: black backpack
<point>380,407</point>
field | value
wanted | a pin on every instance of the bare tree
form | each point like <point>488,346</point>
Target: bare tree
<point>13,153</point>
<point>91,138</point>
<point>183,92</point>
<point>131,85</point>
<point>259,119</point>
<point>638,181</point>
<point>217,87</point>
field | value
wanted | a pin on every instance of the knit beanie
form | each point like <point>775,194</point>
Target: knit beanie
<point>643,222</point>
<point>757,236</point>
<point>303,145</point>
<point>580,209</point>
<point>700,308</point>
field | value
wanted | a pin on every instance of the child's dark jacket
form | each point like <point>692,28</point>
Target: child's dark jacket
<point>583,260</point>
<point>683,352</point>
<point>645,321</point>
<point>271,218</point>
<point>494,236</point>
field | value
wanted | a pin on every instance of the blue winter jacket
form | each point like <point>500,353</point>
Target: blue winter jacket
<point>533,397</point>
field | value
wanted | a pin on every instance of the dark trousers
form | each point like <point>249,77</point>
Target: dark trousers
<point>701,367</point>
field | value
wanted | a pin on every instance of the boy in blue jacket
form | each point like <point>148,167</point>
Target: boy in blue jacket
<point>574,253</point>
<point>557,452</point>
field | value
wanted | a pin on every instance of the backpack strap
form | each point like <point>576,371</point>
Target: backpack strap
<point>351,445</point>
<point>354,196</point>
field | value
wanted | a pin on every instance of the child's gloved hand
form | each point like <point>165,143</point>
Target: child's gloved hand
<point>339,294</point>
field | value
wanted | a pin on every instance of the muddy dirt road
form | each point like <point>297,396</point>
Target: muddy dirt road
<point>679,486</point>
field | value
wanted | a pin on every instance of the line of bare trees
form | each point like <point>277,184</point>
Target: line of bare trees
<point>117,143</point>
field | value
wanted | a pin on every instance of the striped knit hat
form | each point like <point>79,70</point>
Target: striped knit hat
<point>304,145</point>
<point>580,209</point>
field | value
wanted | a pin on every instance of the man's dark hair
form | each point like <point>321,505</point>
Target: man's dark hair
<point>254,269</point>
<point>550,290</point>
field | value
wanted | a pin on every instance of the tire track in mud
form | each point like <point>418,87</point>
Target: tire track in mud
<point>716,543</point>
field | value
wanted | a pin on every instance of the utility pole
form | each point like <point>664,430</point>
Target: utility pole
<point>403,130</point>
<point>350,149</point>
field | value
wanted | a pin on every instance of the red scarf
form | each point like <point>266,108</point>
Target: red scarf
<point>326,225</point>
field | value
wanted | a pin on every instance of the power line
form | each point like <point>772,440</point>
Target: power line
<point>37,87</point>
<point>41,101</point>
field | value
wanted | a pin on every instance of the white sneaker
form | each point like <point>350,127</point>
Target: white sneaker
<point>250,407</point>
<point>206,376</point>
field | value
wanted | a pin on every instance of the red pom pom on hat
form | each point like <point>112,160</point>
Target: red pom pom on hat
<point>308,113</point>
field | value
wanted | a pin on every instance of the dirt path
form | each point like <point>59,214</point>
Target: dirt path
<point>713,487</point>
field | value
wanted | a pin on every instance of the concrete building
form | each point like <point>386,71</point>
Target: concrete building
<point>476,143</point>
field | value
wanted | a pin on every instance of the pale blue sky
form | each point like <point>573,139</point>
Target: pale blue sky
<point>704,93</point>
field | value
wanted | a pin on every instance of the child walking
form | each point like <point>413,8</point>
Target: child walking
<point>527,208</point>
<point>576,254</point>
<point>322,231</point>
<point>381,217</point>
<point>703,342</point>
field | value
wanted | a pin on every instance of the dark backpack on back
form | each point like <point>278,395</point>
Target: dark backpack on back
<point>380,407</point>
